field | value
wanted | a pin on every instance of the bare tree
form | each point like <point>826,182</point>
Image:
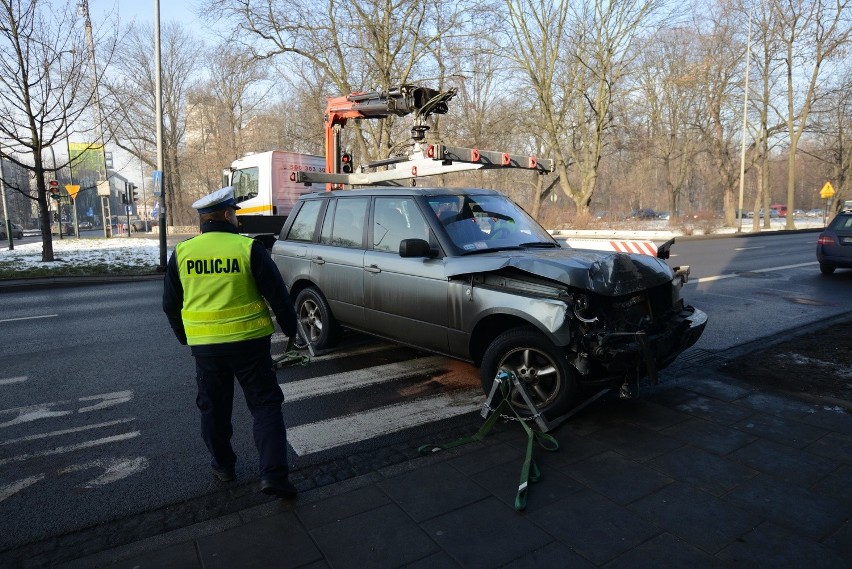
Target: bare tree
<point>370,44</point>
<point>719,78</point>
<point>668,101</point>
<point>813,33</point>
<point>223,117</point>
<point>46,92</point>
<point>576,57</point>
<point>132,90</point>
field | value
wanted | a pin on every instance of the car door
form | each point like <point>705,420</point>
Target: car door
<point>405,299</point>
<point>337,261</point>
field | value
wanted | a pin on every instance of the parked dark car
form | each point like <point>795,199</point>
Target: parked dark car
<point>467,273</point>
<point>85,225</point>
<point>17,230</point>
<point>137,225</point>
<point>645,213</point>
<point>834,246</point>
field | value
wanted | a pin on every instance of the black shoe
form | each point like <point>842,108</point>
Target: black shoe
<point>277,488</point>
<point>224,474</point>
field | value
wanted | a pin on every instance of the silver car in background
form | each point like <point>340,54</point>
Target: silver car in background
<point>467,273</point>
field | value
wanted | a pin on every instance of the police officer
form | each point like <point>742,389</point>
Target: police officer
<point>214,294</point>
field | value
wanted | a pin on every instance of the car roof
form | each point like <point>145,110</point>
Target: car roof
<point>398,191</point>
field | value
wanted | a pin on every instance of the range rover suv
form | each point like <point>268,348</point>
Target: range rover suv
<point>467,273</point>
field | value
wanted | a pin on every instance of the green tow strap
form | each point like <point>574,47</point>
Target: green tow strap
<point>530,472</point>
<point>290,357</point>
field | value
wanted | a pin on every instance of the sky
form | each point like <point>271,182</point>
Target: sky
<point>143,11</point>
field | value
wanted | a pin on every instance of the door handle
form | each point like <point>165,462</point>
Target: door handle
<point>318,260</point>
<point>373,269</point>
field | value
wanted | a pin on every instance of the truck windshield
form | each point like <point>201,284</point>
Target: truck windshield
<point>245,183</point>
<point>487,222</point>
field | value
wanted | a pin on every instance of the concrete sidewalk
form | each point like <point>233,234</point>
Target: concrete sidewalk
<point>707,472</point>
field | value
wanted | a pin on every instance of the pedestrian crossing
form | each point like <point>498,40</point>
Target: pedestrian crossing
<point>454,391</point>
<point>340,431</point>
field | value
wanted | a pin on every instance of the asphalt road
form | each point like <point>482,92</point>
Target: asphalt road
<point>97,419</point>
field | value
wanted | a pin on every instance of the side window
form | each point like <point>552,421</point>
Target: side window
<point>348,228</point>
<point>245,183</point>
<point>306,221</point>
<point>325,235</point>
<point>396,219</point>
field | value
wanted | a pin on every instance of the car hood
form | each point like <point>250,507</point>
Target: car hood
<point>600,272</point>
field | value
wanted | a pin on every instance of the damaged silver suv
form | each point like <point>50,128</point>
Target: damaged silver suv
<point>467,273</point>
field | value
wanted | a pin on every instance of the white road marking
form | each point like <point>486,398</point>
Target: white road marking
<point>43,410</point>
<point>367,349</point>
<point>18,485</point>
<point>324,435</point>
<point>749,248</point>
<point>769,270</point>
<point>29,318</point>
<point>114,469</point>
<point>70,448</point>
<point>11,380</point>
<point>344,381</point>
<point>66,431</point>
<point>108,400</point>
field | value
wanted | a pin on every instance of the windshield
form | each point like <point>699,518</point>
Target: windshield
<point>487,222</point>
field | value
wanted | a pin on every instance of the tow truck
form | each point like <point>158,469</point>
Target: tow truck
<point>267,184</point>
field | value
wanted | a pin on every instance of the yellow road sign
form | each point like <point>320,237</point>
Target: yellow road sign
<point>827,191</point>
<point>72,190</point>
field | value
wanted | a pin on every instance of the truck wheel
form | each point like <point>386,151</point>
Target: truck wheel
<point>317,322</point>
<point>541,367</point>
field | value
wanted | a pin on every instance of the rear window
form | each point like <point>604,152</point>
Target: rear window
<point>306,221</point>
<point>348,227</point>
<point>842,223</point>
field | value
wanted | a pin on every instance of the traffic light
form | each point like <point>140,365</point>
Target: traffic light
<point>53,188</point>
<point>134,195</point>
<point>346,163</point>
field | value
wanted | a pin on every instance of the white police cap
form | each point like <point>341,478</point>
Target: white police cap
<point>220,199</point>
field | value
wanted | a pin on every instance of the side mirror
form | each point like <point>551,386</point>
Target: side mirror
<point>416,248</point>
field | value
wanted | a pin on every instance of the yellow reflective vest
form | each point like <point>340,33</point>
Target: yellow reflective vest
<point>221,302</point>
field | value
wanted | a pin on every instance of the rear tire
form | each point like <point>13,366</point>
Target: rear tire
<point>541,367</point>
<point>313,312</point>
<point>826,269</point>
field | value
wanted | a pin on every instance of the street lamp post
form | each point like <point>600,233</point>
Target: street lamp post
<point>745,125</point>
<point>5,207</point>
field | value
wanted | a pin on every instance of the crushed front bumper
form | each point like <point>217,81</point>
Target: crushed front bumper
<point>625,352</point>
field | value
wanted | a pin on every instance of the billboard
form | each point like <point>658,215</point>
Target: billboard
<point>87,161</point>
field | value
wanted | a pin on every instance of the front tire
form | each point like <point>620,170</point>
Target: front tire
<point>541,367</point>
<point>826,269</point>
<point>313,312</point>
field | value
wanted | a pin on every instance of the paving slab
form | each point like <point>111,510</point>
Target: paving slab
<point>664,550</point>
<point>380,538</point>
<point>806,511</point>
<point>701,519</point>
<point>790,432</point>
<point>278,540</point>
<point>448,489</point>
<point>784,462</point>
<point>770,545</point>
<point>493,535</point>
<point>703,470</point>
<point>711,436</point>
<point>594,526</point>
<point>620,479</point>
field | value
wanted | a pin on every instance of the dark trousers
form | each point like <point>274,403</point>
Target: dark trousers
<point>253,368</point>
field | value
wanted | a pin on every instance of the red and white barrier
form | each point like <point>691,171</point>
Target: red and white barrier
<point>621,246</point>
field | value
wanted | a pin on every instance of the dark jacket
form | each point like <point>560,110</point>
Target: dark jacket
<point>267,279</point>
